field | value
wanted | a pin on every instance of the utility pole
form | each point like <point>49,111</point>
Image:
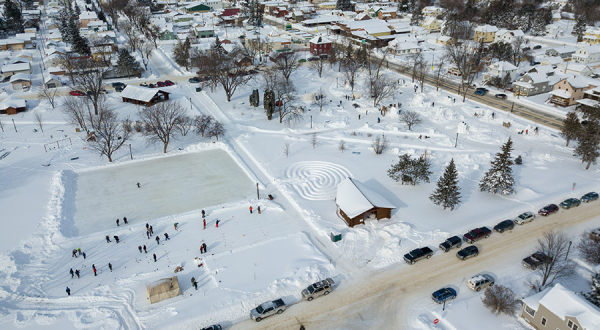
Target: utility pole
<point>257,191</point>
<point>14,125</point>
<point>310,121</point>
<point>456,143</point>
<point>130,153</point>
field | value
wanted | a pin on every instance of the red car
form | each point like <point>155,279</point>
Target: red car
<point>152,86</point>
<point>76,93</point>
<point>161,84</point>
<point>169,83</point>
<point>548,209</point>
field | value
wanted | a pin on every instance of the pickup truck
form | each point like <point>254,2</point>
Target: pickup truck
<point>267,309</point>
<point>418,254</point>
<point>477,234</point>
<point>536,260</point>
<point>450,243</point>
<point>321,288</point>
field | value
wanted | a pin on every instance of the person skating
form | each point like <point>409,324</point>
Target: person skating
<point>78,273</point>
<point>147,225</point>
<point>157,239</point>
<point>145,251</point>
<point>250,209</point>
<point>138,184</point>
<point>110,267</point>
<point>94,269</point>
<point>125,220</point>
<point>117,222</point>
<point>175,225</point>
<point>167,237</point>
<point>154,255</point>
<point>151,231</point>
<point>72,273</point>
<point>258,209</point>
<point>204,221</point>
<point>140,248</point>
<point>218,223</point>
<point>79,251</point>
<point>68,291</point>
<point>204,246</point>
<point>83,255</point>
<point>148,233</point>
<point>74,253</point>
<point>107,239</point>
<point>116,238</point>
<point>201,248</point>
<point>194,283</point>
<point>203,213</point>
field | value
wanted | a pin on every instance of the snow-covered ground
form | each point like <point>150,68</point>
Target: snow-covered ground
<point>68,197</point>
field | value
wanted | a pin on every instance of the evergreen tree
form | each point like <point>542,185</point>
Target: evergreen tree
<point>181,53</point>
<point>77,9</point>
<point>588,143</point>
<point>81,45</point>
<point>126,64</point>
<point>594,295</point>
<point>13,17</point>
<point>217,47</point>
<point>499,178</point>
<point>447,193</point>
<point>72,31</point>
<point>538,27</point>
<point>102,17</point>
<point>421,170</point>
<point>571,127</point>
<point>417,14</point>
<point>402,6</point>
<point>344,5</point>
<point>401,170</point>
<point>579,28</point>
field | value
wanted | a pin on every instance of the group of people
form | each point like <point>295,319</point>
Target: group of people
<point>77,252</point>
<point>124,220</point>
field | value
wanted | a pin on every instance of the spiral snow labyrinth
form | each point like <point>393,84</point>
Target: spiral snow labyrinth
<point>314,180</point>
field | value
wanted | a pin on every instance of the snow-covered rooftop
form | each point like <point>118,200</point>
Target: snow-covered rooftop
<point>355,198</point>
<point>139,93</point>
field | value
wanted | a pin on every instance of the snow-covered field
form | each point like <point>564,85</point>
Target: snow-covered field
<point>67,197</point>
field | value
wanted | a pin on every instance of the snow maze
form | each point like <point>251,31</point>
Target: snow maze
<point>314,180</point>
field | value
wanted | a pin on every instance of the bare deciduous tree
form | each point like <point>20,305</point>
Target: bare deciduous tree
<point>203,123</point>
<point>286,63</point>
<point>380,87</point>
<point>318,66</point>
<point>467,61</point>
<point>589,247</point>
<point>217,129</point>
<point>555,246</point>
<point>88,77</point>
<point>222,70</point>
<point>75,111</point>
<point>380,143</point>
<point>413,63</point>
<point>161,121</point>
<point>342,146</point>
<point>438,73</point>
<point>185,124</point>
<point>49,94</point>
<point>410,118</point>
<point>350,70</point>
<point>500,300</point>
<point>146,49</point>
<point>519,51</point>
<point>286,149</point>
<point>110,133</point>
<point>112,8</point>
<point>320,100</point>
<point>39,120</point>
<point>285,96</point>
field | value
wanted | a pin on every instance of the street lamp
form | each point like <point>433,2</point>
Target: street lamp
<point>569,249</point>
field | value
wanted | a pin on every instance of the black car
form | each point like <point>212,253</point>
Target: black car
<point>504,225</point>
<point>117,84</point>
<point>468,252</point>
<point>213,327</point>
<point>536,260</point>
<point>537,47</point>
<point>501,96</point>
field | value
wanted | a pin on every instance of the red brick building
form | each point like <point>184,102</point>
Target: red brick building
<point>320,45</point>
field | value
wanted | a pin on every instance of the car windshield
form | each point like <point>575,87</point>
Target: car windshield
<point>311,289</point>
<point>259,309</point>
<point>472,233</point>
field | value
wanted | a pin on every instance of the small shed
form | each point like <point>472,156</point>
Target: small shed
<point>356,203</point>
<point>20,81</point>
<point>143,95</point>
<point>12,105</point>
<point>52,81</point>
<point>163,289</point>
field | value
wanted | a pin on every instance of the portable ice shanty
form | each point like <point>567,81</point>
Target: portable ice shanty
<point>163,289</point>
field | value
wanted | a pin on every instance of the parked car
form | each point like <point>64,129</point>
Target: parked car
<point>418,254</point>
<point>161,84</point>
<point>477,234</point>
<point>321,288</point>
<point>144,85</point>
<point>569,203</point>
<point>504,225</point>
<point>213,327</point>
<point>451,243</point>
<point>194,80</point>
<point>501,96</point>
<point>267,309</point>
<point>120,88</point>
<point>535,260</point>
<point>524,217</point>
<point>169,83</point>
<point>480,92</point>
<point>152,86</point>
<point>117,84</point>
<point>443,294</point>
<point>480,281</point>
<point>76,93</point>
<point>548,209</point>
<point>537,47</point>
<point>591,196</point>
<point>468,252</point>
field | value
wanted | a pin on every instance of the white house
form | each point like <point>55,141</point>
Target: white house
<point>508,35</point>
<point>575,68</point>
<point>555,30</point>
<point>400,46</point>
<point>587,54</point>
<point>432,11</point>
<point>501,69</point>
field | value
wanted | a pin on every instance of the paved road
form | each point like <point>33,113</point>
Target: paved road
<point>392,298</point>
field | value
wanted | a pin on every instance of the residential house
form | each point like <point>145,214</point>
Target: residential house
<point>196,7</point>
<point>27,37</point>
<point>444,40</point>
<point>375,32</point>
<point>562,51</point>
<point>327,5</point>
<point>357,203</point>
<point>202,32</point>
<point>388,13</point>
<point>20,81</point>
<point>52,81</point>
<point>97,26</point>
<point>592,36</point>
<point>587,54</point>
<point>555,30</point>
<point>110,35</point>
<point>12,44</point>
<point>485,33</point>
<point>143,95</point>
<point>243,61</point>
<point>12,69</point>
<point>228,15</point>
<point>432,11</point>
<point>401,47</point>
<point>567,91</point>
<point>575,68</point>
<point>280,12</point>
<point>508,36</point>
<point>500,70</point>
<point>547,70</point>
<point>183,18</point>
<point>12,105</point>
<point>431,24</point>
<point>103,50</point>
<point>554,61</point>
<point>362,17</point>
<point>532,84</point>
<point>86,17</point>
<point>590,101</point>
<point>561,309</point>
<point>272,6</point>
<point>320,45</point>
<point>214,4</point>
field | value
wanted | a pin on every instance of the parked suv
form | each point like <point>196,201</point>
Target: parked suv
<point>524,217</point>
<point>480,281</point>
<point>569,203</point>
<point>548,209</point>
<point>444,294</point>
<point>504,225</point>
<point>321,288</point>
<point>591,196</point>
<point>468,252</point>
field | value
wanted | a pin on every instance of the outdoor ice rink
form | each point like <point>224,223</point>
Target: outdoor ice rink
<point>169,185</point>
